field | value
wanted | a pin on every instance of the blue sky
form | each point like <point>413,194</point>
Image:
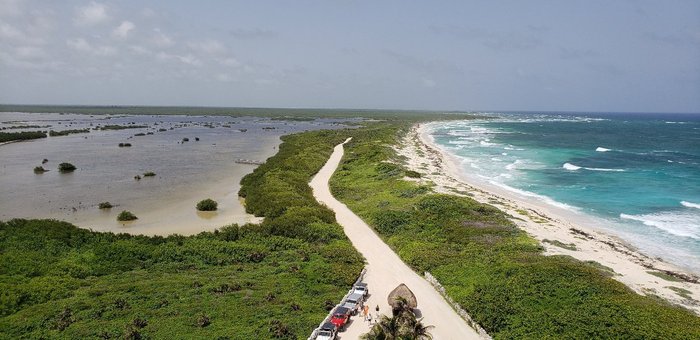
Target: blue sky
<point>444,55</point>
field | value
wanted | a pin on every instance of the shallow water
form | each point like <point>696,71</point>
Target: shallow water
<point>640,173</point>
<point>186,172</point>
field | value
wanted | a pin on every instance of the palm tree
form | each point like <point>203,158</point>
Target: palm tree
<point>402,326</point>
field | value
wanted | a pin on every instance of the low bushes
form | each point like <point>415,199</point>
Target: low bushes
<point>14,136</point>
<point>66,168</point>
<point>207,205</point>
<point>126,216</point>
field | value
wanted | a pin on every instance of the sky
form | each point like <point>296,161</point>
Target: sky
<point>587,55</point>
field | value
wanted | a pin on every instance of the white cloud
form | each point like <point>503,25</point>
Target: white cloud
<point>225,78</point>
<point>10,8</point>
<point>29,52</point>
<point>161,39</point>
<point>93,13</point>
<point>209,46</point>
<point>122,31</point>
<point>82,45</point>
<point>9,32</point>
<point>230,62</point>
<point>185,59</point>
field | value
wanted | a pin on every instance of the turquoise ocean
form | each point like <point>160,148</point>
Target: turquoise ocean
<point>637,174</point>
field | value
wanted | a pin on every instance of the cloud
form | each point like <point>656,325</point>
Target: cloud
<point>161,39</point>
<point>230,62</point>
<point>81,45</point>
<point>209,46</point>
<point>122,31</point>
<point>187,59</point>
<point>510,40</point>
<point>92,14</point>
<point>422,65</point>
<point>9,32</point>
<point>574,53</point>
<point>10,8</point>
<point>254,33</point>
<point>224,78</point>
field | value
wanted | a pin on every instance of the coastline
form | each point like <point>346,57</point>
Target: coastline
<point>559,231</point>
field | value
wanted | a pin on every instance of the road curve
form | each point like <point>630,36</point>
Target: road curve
<point>385,270</point>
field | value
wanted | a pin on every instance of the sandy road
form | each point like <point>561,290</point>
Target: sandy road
<point>385,270</point>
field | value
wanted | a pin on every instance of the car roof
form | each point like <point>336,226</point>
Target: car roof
<point>355,296</point>
<point>342,310</point>
<point>328,325</point>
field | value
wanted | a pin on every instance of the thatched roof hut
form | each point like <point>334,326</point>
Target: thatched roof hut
<point>402,291</point>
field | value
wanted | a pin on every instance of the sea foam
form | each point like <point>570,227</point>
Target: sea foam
<point>601,149</point>
<point>570,167</point>
<point>690,204</point>
<point>675,223</point>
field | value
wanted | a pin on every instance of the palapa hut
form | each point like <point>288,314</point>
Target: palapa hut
<point>402,291</point>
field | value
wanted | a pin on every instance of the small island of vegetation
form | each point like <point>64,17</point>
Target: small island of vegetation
<point>66,168</point>
<point>39,170</point>
<point>207,205</point>
<point>17,136</point>
<point>105,205</point>
<point>126,216</point>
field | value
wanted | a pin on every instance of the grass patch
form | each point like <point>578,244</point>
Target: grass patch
<point>664,276</point>
<point>17,136</point>
<point>105,205</point>
<point>682,292</point>
<point>568,246</point>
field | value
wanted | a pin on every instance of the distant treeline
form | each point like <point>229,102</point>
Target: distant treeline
<point>121,127</point>
<point>15,136</point>
<point>243,111</point>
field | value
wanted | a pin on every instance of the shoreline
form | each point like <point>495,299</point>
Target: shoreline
<point>559,231</point>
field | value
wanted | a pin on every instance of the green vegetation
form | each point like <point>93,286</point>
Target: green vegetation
<point>682,292</point>
<point>126,216</point>
<point>412,174</point>
<point>16,136</point>
<point>207,205</point>
<point>495,271</point>
<point>53,133</point>
<point>149,174</point>
<point>105,205</point>
<point>59,281</point>
<point>276,279</point>
<point>560,244</point>
<point>17,127</point>
<point>121,127</point>
<point>124,145</point>
<point>137,177</point>
<point>39,170</point>
<point>664,276</point>
<point>66,168</point>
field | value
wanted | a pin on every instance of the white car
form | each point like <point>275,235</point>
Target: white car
<point>361,288</point>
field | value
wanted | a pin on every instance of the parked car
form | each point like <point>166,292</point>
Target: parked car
<point>340,317</point>
<point>361,288</point>
<point>327,331</point>
<point>354,302</point>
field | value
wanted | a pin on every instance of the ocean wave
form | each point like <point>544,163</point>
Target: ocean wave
<point>673,222</point>
<point>532,194</point>
<point>572,167</point>
<point>690,204</point>
<point>601,149</point>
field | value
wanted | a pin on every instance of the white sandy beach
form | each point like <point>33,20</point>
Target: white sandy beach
<point>385,270</point>
<point>546,222</point>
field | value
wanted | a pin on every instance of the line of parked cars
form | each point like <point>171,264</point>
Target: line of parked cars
<point>342,314</point>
